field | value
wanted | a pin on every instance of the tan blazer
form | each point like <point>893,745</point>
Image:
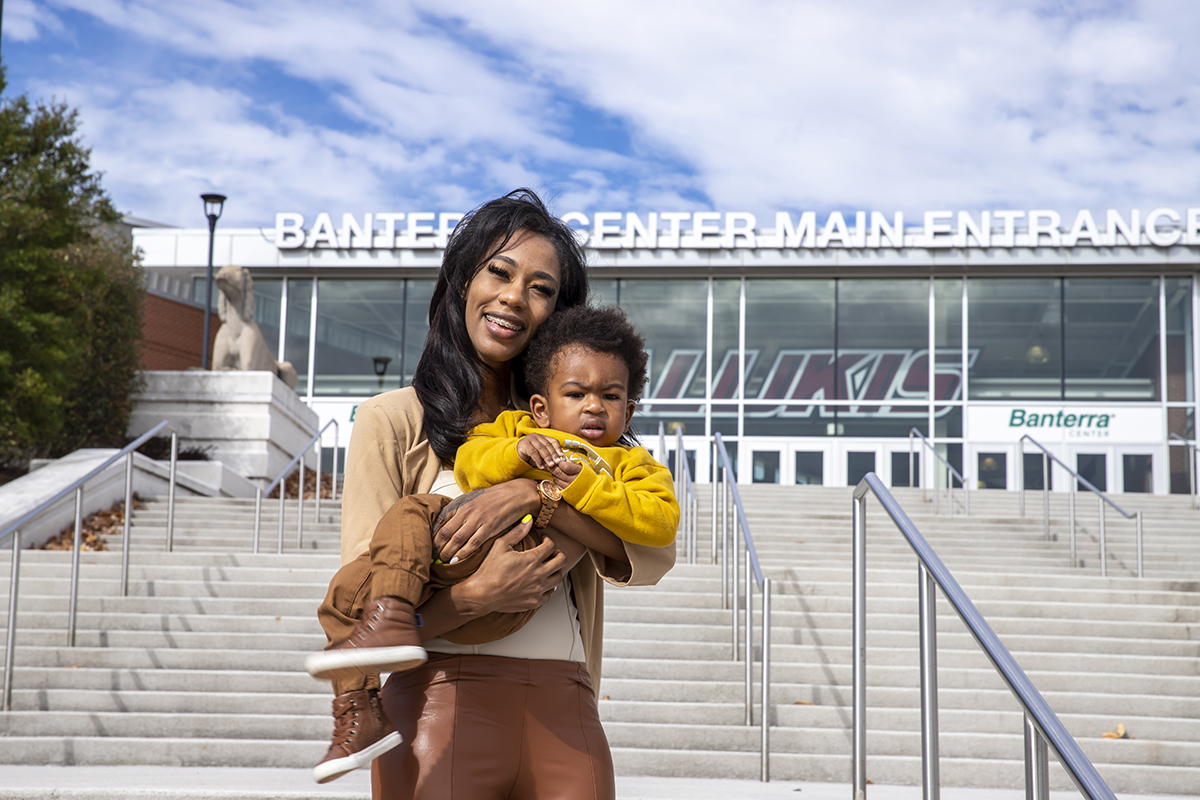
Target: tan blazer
<point>389,457</point>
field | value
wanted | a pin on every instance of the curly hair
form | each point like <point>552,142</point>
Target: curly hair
<point>602,329</point>
<point>449,377</point>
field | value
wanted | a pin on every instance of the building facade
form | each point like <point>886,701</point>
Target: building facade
<point>815,349</point>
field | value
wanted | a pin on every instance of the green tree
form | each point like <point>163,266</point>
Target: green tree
<point>70,291</point>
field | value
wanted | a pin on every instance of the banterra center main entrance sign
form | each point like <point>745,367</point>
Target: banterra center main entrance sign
<point>712,230</point>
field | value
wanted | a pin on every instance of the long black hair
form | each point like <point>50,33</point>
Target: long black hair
<point>449,377</point>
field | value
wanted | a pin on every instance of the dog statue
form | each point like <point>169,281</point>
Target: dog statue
<point>240,344</point>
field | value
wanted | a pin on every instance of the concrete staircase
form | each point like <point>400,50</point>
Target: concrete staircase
<point>201,664</point>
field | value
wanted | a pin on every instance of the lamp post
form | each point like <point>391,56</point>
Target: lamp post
<point>213,205</point>
<point>381,365</point>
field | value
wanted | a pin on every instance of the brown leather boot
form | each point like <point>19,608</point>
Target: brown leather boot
<point>361,732</point>
<point>384,640</point>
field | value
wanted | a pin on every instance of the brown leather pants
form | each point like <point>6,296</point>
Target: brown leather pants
<point>490,728</point>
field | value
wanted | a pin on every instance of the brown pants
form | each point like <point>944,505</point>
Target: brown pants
<point>399,564</point>
<point>487,728</point>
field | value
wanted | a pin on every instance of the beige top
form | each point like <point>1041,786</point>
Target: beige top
<point>389,457</point>
<point>552,632</point>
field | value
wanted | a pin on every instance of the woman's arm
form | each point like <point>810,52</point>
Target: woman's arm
<point>508,580</point>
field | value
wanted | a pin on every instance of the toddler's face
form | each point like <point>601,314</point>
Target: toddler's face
<point>587,395</point>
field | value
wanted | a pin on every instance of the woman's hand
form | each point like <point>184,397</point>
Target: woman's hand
<point>508,580</point>
<point>484,514</point>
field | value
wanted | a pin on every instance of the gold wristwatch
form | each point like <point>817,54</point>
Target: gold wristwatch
<point>551,495</point>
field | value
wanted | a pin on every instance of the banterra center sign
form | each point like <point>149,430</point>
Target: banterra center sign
<point>712,230</point>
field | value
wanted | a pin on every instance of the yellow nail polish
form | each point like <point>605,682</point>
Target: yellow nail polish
<point>527,518</point>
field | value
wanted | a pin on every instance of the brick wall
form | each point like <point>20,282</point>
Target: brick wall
<point>172,333</point>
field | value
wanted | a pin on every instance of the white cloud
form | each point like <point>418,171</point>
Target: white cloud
<point>757,105</point>
<point>24,21</point>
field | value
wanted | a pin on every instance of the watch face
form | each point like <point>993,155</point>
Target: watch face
<point>553,493</point>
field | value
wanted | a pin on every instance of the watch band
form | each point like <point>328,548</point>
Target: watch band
<point>551,495</point>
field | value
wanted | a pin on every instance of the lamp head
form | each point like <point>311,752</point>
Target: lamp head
<point>213,205</point>
<point>381,364</point>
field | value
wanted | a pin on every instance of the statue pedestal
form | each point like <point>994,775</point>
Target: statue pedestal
<point>252,420</point>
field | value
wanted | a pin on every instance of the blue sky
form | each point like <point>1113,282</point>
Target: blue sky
<point>762,105</point>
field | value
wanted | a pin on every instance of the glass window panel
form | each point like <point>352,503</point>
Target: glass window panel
<point>602,292</point>
<point>1183,464</point>
<point>993,471</point>
<point>1110,333</point>
<point>891,422</point>
<point>295,348</point>
<point>883,339</point>
<point>810,468</point>
<point>727,301</point>
<point>1015,338</point>
<point>1033,469</point>
<point>645,423</point>
<point>1092,467</point>
<point>416,326</point>
<point>952,452</point>
<point>947,422</point>
<point>267,294</point>
<point>790,344</point>
<point>1181,380</point>
<point>947,339</point>
<point>1136,473</point>
<point>857,466</point>
<point>360,335</point>
<point>765,465</point>
<point>900,471</point>
<point>673,316</point>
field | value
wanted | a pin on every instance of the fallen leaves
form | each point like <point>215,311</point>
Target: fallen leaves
<point>1119,733</point>
<point>95,526</point>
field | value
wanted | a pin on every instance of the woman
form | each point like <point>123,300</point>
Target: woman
<point>517,717</point>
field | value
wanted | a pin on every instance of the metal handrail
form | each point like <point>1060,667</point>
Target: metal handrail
<point>1041,723</point>
<point>1047,456</point>
<point>685,491</point>
<point>1192,456</point>
<point>299,458</point>
<point>951,473</point>
<point>732,519</point>
<point>76,486</point>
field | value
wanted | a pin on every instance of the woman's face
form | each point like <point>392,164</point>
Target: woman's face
<point>510,296</point>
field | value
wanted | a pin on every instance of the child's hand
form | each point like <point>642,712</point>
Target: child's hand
<point>564,472</point>
<point>541,451</point>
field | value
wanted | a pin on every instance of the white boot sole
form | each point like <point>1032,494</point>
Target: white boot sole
<point>368,660</point>
<point>331,770</point>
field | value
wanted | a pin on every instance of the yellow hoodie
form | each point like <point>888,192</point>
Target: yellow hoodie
<point>625,489</point>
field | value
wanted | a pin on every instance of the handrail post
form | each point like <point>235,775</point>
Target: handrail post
<point>927,602</point>
<point>1192,469</point>
<point>860,647</point>
<point>725,537</point>
<point>171,493</point>
<point>126,523</point>
<point>1071,514</point>
<point>910,460</point>
<point>11,643</point>
<point>1138,520</point>
<point>765,719</point>
<point>257,517</point>
<point>713,484</point>
<point>1103,544</point>
<point>282,494</point>
<point>333,493</point>
<point>733,577</point>
<point>1045,497</point>
<point>1021,477</point>
<point>300,507</point>
<point>76,546</point>
<point>317,513</point>
<point>937,490</point>
<point>1037,772</point>
<point>749,643</point>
